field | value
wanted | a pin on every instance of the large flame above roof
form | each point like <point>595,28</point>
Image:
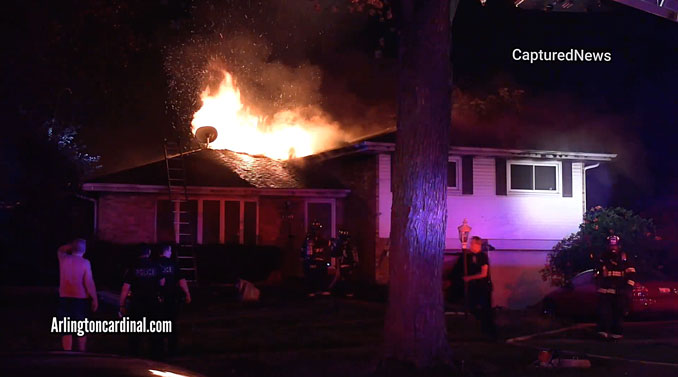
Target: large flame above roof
<point>288,133</point>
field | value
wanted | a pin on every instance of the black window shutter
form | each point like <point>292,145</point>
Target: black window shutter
<point>467,175</point>
<point>500,175</point>
<point>567,179</point>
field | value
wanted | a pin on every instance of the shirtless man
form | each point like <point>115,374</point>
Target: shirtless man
<point>76,286</point>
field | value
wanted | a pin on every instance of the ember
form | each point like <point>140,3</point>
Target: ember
<point>289,133</point>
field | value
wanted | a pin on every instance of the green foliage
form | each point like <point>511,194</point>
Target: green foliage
<point>504,101</point>
<point>66,139</point>
<point>579,251</point>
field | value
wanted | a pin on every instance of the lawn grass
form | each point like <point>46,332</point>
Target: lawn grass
<point>326,336</point>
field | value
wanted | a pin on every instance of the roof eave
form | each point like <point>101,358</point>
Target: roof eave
<point>533,153</point>
<point>212,190</point>
<point>381,147</point>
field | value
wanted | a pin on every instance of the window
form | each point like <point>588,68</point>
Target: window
<point>229,221</point>
<point>250,224</point>
<point>164,221</point>
<point>232,222</point>
<point>545,178</point>
<point>187,220</point>
<point>211,219</point>
<point>522,177</point>
<point>453,174</point>
<point>173,218</point>
<point>240,222</point>
<point>533,176</point>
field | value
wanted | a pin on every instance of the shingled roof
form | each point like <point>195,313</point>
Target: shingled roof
<point>224,168</point>
<point>469,138</point>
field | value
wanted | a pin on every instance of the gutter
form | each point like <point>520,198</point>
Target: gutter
<point>381,147</point>
<point>586,168</point>
<point>96,209</point>
<point>217,191</point>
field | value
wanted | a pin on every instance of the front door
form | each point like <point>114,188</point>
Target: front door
<point>321,212</point>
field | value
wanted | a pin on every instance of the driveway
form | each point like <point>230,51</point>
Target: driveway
<point>648,343</point>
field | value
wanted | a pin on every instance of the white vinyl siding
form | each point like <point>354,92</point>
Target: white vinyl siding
<point>530,221</point>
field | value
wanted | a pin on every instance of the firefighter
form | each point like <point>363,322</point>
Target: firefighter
<point>316,261</point>
<point>479,283</point>
<point>142,283</point>
<point>343,262</point>
<point>614,278</point>
<point>175,287</point>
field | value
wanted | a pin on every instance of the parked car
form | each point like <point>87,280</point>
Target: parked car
<point>579,299</point>
<point>58,364</point>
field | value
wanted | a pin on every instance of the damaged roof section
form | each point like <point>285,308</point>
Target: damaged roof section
<point>224,168</point>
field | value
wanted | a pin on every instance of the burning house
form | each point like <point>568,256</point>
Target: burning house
<point>522,201</point>
<point>232,198</point>
<point>244,189</point>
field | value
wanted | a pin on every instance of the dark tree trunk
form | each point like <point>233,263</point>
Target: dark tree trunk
<point>415,322</point>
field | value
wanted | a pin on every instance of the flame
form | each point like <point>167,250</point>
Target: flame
<point>288,133</point>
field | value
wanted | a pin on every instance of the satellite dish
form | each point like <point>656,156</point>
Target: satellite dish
<point>206,135</point>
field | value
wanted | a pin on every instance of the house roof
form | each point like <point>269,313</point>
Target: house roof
<point>224,168</point>
<point>228,169</point>
<point>384,141</point>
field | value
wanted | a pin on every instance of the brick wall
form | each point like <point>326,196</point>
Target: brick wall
<point>359,209</point>
<point>126,218</point>
<point>288,235</point>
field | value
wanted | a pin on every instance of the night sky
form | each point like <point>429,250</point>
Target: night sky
<point>129,74</point>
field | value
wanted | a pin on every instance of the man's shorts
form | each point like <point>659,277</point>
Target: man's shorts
<point>74,308</point>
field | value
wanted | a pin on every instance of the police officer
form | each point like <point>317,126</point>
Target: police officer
<point>614,278</point>
<point>480,286</point>
<point>315,260</point>
<point>142,283</point>
<point>175,284</point>
<point>344,260</point>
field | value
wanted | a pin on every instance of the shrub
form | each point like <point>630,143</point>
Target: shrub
<point>579,251</point>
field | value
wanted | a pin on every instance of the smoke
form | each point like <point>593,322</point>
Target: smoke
<point>274,52</point>
<point>288,55</point>
<point>553,121</point>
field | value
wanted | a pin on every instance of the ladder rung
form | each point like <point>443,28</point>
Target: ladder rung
<point>185,234</point>
<point>181,222</point>
<point>187,269</point>
<point>184,257</point>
